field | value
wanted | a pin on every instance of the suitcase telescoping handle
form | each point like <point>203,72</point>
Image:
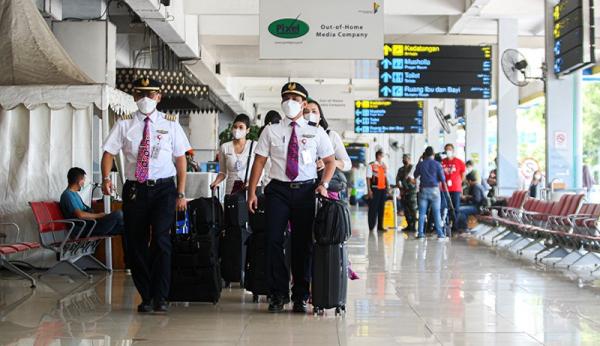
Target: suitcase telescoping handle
<point>218,196</point>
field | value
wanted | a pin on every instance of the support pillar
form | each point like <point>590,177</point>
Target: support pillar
<point>508,100</point>
<point>564,113</point>
<point>476,148</point>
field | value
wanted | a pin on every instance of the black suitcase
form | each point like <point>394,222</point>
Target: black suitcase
<point>257,220</point>
<point>233,254</point>
<point>196,274</point>
<point>236,209</point>
<point>205,212</point>
<point>329,278</point>
<point>256,265</point>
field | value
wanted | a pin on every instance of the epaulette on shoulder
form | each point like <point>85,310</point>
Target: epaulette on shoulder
<point>171,117</point>
<point>127,116</point>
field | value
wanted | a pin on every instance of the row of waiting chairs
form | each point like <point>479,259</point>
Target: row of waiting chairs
<point>70,239</point>
<point>563,233</point>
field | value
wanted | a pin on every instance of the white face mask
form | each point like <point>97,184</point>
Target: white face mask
<point>238,134</point>
<point>291,108</point>
<point>146,105</point>
<point>450,154</point>
<point>311,117</point>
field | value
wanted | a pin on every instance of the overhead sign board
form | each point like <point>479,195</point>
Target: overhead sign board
<point>316,29</point>
<point>387,116</point>
<point>335,100</point>
<point>573,35</point>
<point>435,71</point>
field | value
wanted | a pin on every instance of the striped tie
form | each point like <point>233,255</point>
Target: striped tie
<point>291,167</point>
<point>143,159</point>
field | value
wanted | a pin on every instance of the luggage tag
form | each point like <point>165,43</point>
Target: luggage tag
<point>238,165</point>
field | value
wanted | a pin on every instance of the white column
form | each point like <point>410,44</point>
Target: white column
<point>564,149</point>
<point>476,146</point>
<point>508,100</point>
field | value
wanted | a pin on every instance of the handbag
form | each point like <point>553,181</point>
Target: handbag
<point>236,208</point>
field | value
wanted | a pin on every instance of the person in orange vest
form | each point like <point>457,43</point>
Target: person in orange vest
<point>377,186</point>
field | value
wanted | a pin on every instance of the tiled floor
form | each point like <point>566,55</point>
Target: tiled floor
<point>410,293</point>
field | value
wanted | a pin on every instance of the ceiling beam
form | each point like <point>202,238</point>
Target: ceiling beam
<point>473,8</point>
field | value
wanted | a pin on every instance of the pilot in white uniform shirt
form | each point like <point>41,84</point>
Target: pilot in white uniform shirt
<point>313,144</point>
<point>153,146</point>
<point>167,140</point>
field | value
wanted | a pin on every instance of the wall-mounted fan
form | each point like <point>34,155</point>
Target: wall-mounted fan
<point>516,69</point>
<point>445,119</point>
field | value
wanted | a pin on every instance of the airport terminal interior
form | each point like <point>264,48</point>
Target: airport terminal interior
<point>415,173</point>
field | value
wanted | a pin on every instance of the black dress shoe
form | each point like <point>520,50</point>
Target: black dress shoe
<point>300,306</point>
<point>161,307</point>
<point>145,308</point>
<point>276,304</point>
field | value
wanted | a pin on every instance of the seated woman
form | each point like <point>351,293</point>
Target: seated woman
<point>472,202</point>
<point>234,165</point>
<point>72,207</point>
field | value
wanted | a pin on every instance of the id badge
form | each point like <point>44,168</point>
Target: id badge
<point>238,165</point>
<point>306,157</point>
<point>449,183</point>
<point>155,152</point>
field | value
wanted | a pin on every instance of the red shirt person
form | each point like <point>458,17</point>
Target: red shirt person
<point>454,170</point>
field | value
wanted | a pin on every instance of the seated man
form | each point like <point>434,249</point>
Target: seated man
<point>73,207</point>
<point>472,202</point>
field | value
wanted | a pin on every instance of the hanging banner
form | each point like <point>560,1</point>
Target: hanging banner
<point>316,29</point>
<point>336,101</point>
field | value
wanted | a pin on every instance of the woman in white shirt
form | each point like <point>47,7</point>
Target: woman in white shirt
<point>233,157</point>
<point>314,114</point>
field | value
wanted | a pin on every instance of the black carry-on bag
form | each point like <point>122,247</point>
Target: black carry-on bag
<point>196,274</point>
<point>236,208</point>
<point>235,233</point>
<point>331,230</point>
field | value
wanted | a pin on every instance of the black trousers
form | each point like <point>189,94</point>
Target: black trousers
<point>149,213</point>
<point>376,206</point>
<point>297,206</point>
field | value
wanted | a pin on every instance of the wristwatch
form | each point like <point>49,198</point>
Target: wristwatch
<point>180,195</point>
<point>106,179</point>
<point>325,184</point>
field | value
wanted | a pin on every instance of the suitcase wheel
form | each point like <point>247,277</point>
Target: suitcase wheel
<point>318,311</point>
<point>255,298</point>
<point>340,310</point>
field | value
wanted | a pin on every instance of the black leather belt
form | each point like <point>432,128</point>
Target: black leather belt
<point>295,185</point>
<point>154,182</point>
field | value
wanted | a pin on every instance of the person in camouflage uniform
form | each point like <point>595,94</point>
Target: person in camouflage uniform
<point>408,192</point>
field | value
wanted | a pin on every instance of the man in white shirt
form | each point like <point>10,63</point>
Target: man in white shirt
<point>153,146</point>
<point>293,147</point>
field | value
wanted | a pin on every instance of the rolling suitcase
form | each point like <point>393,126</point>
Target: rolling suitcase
<point>329,278</point>
<point>331,229</point>
<point>256,265</point>
<point>258,220</point>
<point>196,274</point>
<point>232,254</point>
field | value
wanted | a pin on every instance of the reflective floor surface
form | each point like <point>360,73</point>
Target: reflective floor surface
<point>410,293</point>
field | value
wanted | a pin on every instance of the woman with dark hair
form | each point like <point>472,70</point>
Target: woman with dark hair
<point>314,115</point>
<point>234,165</point>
